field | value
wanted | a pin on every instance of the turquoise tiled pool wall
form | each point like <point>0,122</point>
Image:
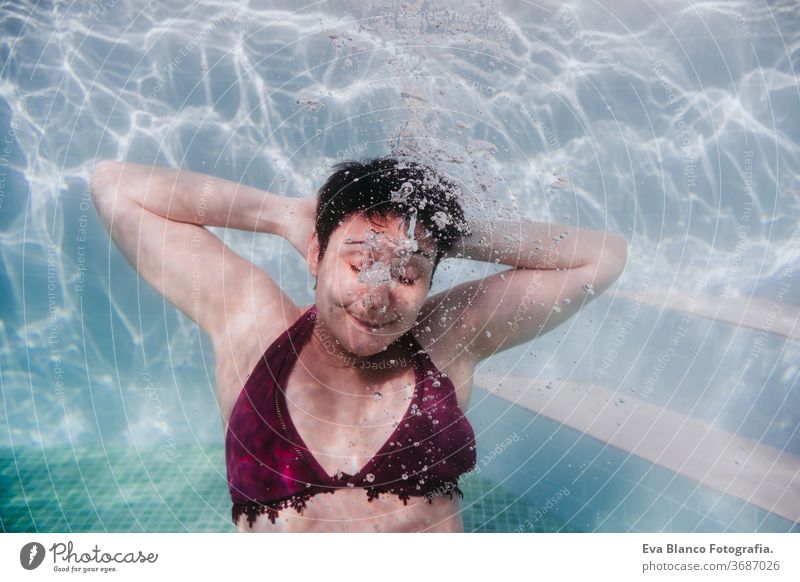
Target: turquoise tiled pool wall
<point>113,489</point>
<point>533,475</point>
<point>65,489</point>
<point>608,489</point>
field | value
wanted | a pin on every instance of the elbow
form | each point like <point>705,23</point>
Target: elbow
<point>105,179</point>
<point>616,254</point>
<point>107,187</point>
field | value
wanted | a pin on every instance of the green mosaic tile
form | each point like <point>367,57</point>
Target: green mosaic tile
<point>61,489</point>
<point>489,508</point>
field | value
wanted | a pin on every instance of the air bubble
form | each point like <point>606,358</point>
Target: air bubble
<point>406,189</point>
<point>370,477</point>
<point>441,219</point>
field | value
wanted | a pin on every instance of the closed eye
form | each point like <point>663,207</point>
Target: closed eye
<point>403,280</point>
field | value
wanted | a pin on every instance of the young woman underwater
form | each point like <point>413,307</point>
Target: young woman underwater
<point>348,414</point>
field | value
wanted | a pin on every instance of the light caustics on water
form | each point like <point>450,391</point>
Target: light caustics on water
<point>671,123</point>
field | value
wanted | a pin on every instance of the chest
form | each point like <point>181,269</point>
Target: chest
<point>350,428</point>
<point>235,363</point>
<point>344,426</point>
<point>354,416</point>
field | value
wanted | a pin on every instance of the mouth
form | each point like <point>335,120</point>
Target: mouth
<point>370,326</point>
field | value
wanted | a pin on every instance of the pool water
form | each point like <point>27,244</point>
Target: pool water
<point>672,123</point>
<point>119,489</point>
<point>61,489</point>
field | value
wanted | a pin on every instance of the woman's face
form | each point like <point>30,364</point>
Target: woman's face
<point>373,280</point>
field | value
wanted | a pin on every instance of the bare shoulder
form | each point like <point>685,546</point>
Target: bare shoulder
<point>442,331</point>
<point>248,334</point>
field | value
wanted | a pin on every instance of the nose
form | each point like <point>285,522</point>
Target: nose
<point>378,297</point>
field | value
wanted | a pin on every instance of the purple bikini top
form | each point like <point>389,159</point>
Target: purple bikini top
<point>270,468</point>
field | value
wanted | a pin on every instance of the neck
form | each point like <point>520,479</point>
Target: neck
<point>343,368</point>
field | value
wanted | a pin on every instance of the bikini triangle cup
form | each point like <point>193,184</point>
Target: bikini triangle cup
<point>270,468</point>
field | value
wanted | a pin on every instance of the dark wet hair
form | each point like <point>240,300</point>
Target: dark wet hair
<point>380,187</point>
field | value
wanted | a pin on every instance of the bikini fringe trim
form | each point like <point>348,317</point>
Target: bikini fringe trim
<point>253,508</point>
<point>298,502</point>
<point>447,488</point>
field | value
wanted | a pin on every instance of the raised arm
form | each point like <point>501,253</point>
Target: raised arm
<point>557,270</point>
<point>156,216</point>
